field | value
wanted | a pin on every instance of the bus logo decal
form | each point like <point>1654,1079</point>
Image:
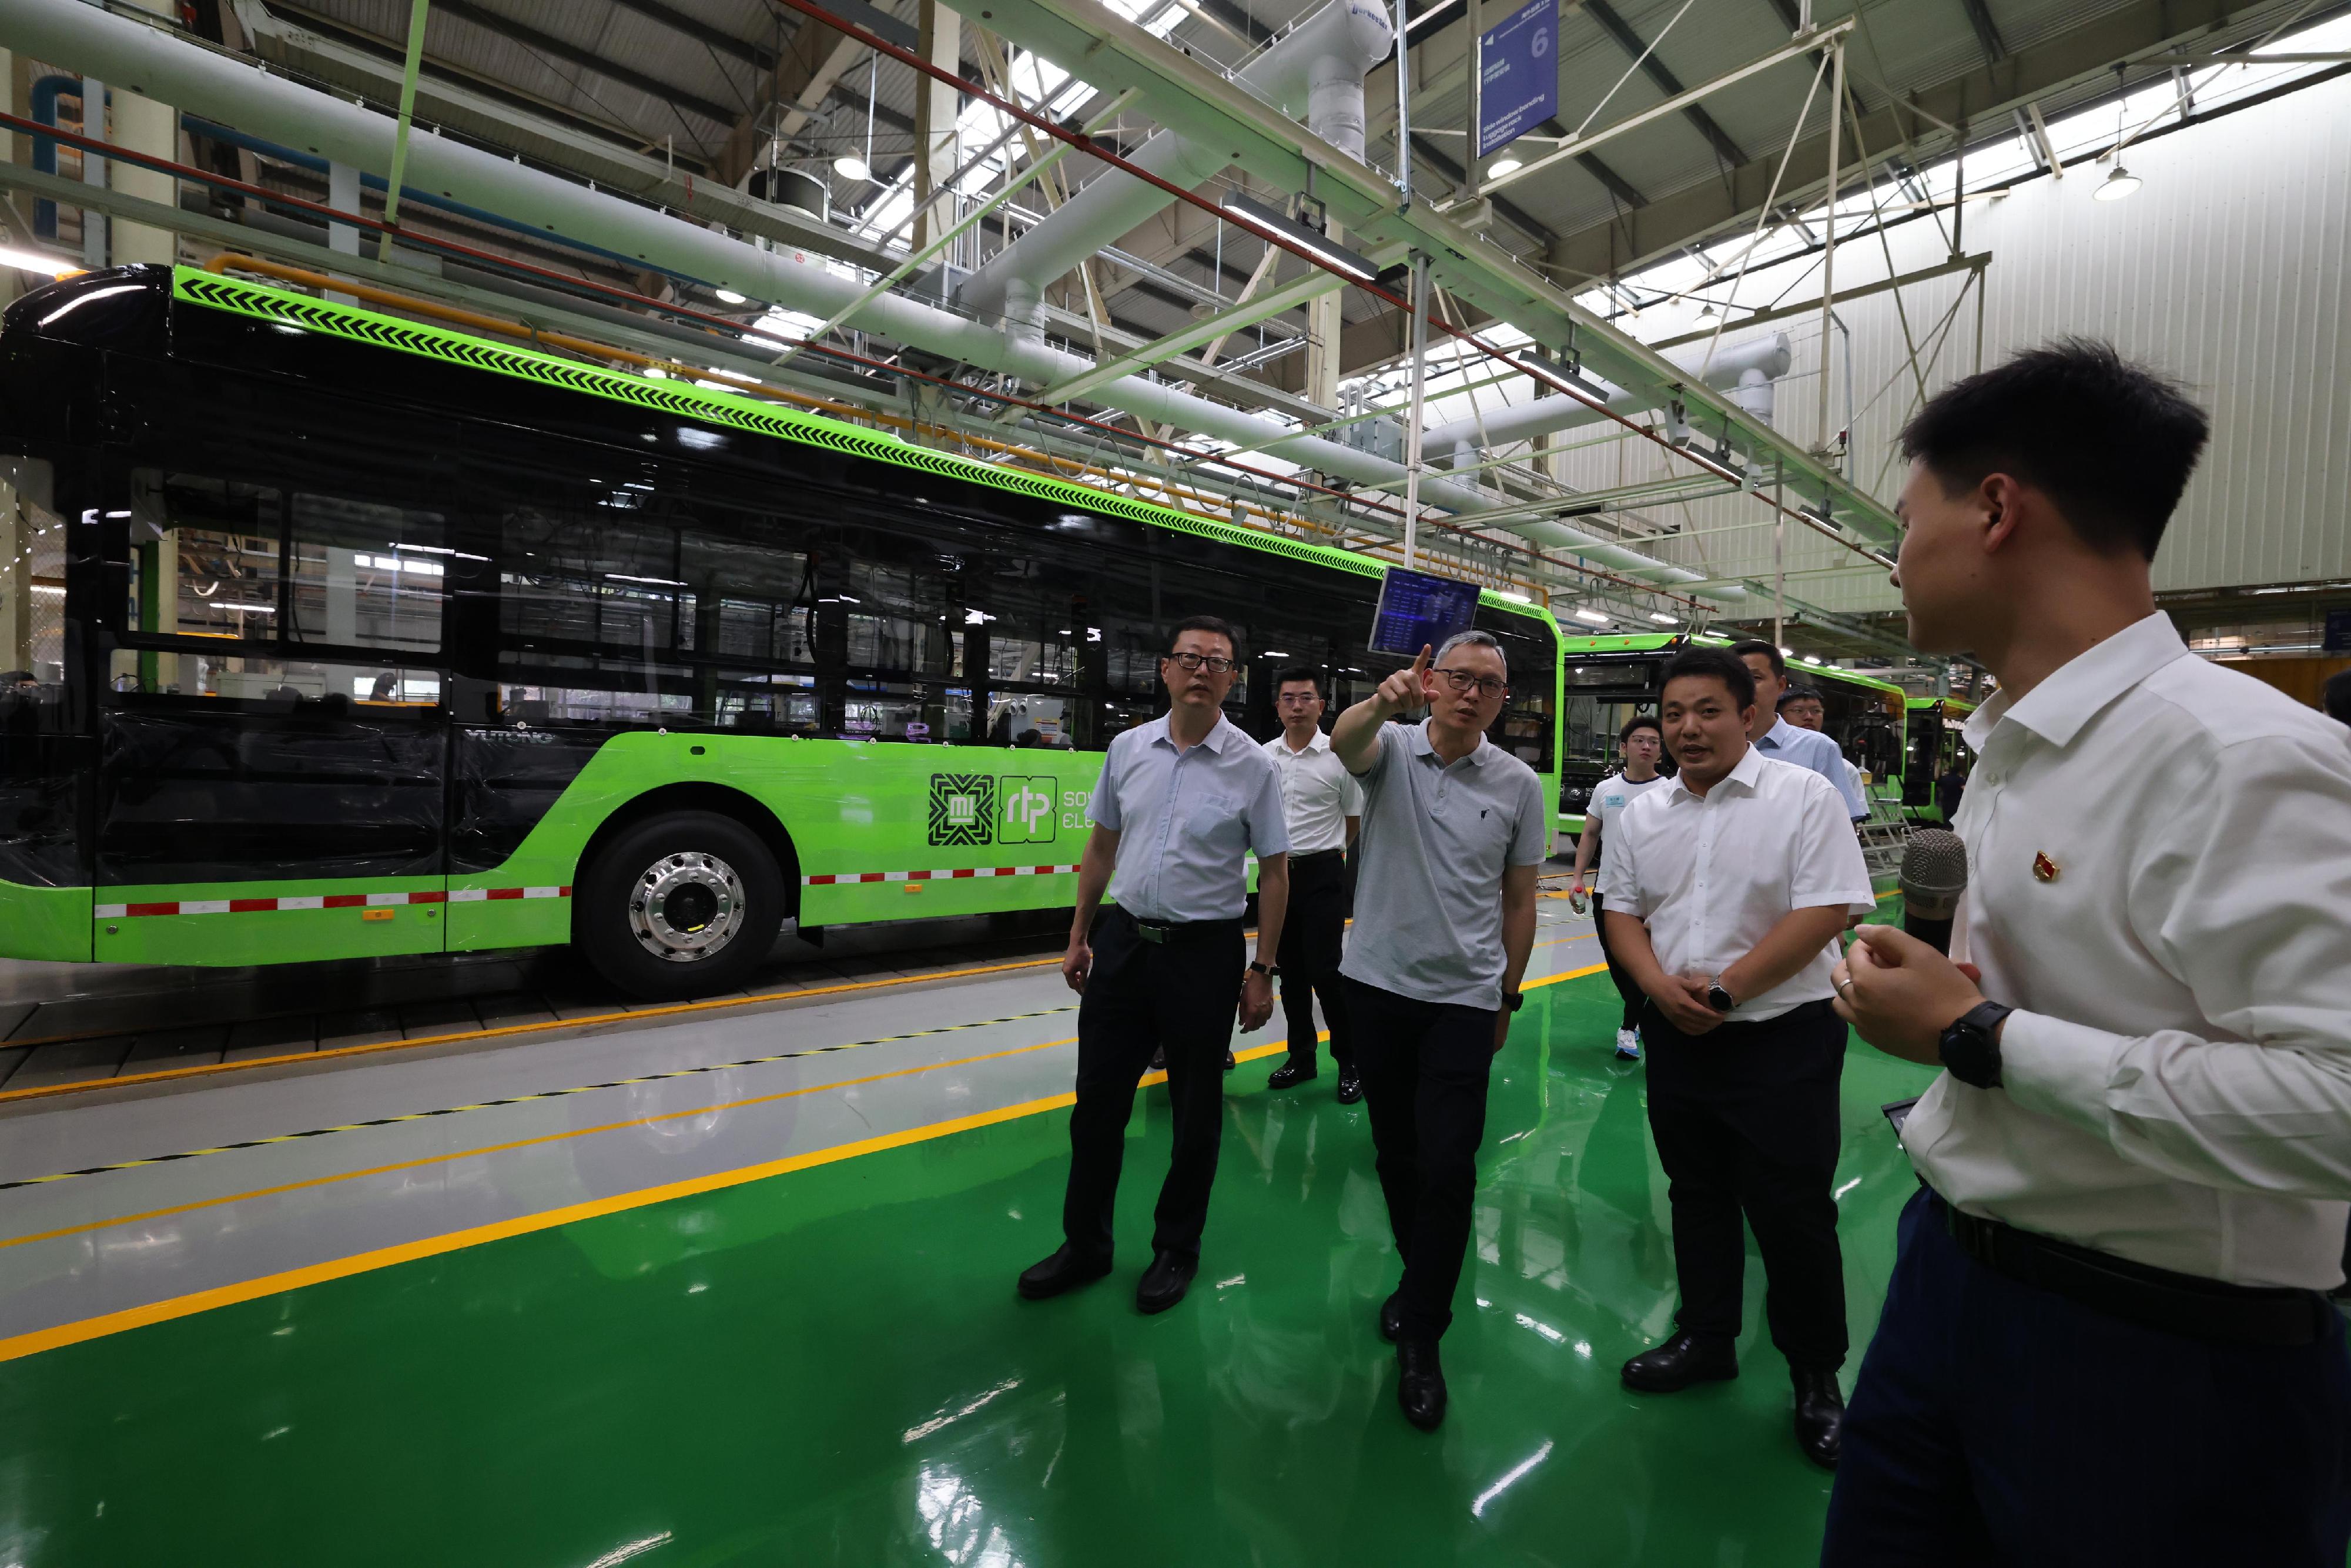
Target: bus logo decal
<point>963,808</point>
<point>1029,814</point>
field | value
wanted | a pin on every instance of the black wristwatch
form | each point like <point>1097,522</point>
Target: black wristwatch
<point>1971,1048</point>
<point>1513,1001</point>
<point>1717,999</point>
<point>1268,970</point>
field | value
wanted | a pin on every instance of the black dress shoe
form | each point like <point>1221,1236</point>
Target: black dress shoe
<point>1165,1282</point>
<point>1685,1359</point>
<point>1351,1085</point>
<point>1420,1383</point>
<point>1231,1061</point>
<point>1392,1316</point>
<point>1820,1417</point>
<point>1159,1060</point>
<point>1289,1072</point>
<point>1065,1270</point>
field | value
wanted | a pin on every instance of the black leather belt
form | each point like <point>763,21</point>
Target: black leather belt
<point>1166,932</point>
<point>2141,1293</point>
<point>1296,859</point>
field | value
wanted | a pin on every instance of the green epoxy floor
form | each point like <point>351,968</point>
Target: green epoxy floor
<point>832,1367</point>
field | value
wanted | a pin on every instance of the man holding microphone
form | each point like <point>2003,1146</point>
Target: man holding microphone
<point>1181,803</point>
<point>1453,832</point>
<point>2105,1338</point>
<point>1725,890</point>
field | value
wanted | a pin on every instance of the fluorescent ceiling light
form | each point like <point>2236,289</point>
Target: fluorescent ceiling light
<point>1810,660</point>
<point>25,260</point>
<point>1428,15</point>
<point>1514,598</point>
<point>1263,220</point>
<point>2118,185</point>
<point>728,296</point>
<point>1503,166</point>
<point>1787,652</point>
<point>1594,616</point>
<point>1662,619</point>
<point>850,166</point>
<point>655,582</point>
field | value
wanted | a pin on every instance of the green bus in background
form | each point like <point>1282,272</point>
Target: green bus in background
<point>1900,742</point>
<point>341,635</point>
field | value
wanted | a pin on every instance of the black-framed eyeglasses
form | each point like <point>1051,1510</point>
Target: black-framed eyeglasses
<point>1488,685</point>
<point>1210,662</point>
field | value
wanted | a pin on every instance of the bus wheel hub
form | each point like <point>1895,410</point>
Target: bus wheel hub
<point>686,906</point>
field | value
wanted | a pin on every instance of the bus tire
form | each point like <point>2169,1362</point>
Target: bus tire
<point>682,905</point>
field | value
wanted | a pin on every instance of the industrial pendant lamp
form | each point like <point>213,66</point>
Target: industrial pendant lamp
<point>849,165</point>
<point>2122,181</point>
<point>2116,185</point>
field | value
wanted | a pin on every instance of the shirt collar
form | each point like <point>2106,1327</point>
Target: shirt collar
<point>1213,740</point>
<point>2082,687</point>
<point>1281,744</point>
<point>1421,745</point>
<point>1776,737</point>
<point>1750,770</point>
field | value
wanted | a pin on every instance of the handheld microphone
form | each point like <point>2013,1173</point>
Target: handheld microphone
<point>1933,875</point>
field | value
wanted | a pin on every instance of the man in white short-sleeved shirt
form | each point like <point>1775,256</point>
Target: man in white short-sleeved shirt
<point>2106,1337</point>
<point>1181,803</point>
<point>1454,829</point>
<point>1641,743</point>
<point>1325,807</point>
<point>1725,890</point>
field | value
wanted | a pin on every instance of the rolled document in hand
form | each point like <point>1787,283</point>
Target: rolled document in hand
<point>1933,875</point>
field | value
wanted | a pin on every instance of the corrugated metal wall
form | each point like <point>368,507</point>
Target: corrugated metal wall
<point>2231,269</point>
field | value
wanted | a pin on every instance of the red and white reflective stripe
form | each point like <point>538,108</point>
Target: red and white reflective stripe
<point>320,901</point>
<point>829,879</point>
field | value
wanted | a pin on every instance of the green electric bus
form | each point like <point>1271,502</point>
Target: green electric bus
<point>339,635</point>
<point>1902,742</point>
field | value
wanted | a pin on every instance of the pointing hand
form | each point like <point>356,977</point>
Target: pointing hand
<point>1406,690</point>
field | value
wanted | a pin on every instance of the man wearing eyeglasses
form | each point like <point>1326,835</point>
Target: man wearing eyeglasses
<point>1325,809</point>
<point>1453,830</point>
<point>1181,803</point>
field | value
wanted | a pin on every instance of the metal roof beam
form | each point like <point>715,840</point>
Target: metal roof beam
<point>1616,26</point>
<point>2133,28</point>
<point>703,33</point>
<point>531,38</point>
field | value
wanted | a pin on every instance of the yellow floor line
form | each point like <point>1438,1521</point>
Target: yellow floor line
<point>114,1323</point>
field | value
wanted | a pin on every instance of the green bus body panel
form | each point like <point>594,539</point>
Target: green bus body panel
<point>853,810</point>
<point>266,936</point>
<point>1636,643</point>
<point>45,922</point>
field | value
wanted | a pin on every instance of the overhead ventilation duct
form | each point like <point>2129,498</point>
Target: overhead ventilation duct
<point>1315,71</point>
<point>153,63</point>
<point>796,189</point>
<point>1748,370</point>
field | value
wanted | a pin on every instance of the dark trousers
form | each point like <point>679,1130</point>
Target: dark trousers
<point>1746,1121</point>
<point>1312,932</point>
<point>1141,997</point>
<point>1995,1422</point>
<point>1424,1067</point>
<point>1635,999</point>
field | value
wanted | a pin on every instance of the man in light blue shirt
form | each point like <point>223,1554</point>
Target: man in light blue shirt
<point>1181,803</point>
<point>1776,738</point>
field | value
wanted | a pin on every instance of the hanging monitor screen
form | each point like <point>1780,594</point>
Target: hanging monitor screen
<point>1418,610</point>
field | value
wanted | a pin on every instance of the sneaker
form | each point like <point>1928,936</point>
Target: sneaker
<point>1628,1045</point>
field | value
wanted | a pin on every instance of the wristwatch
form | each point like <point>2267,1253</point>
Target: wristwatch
<point>1971,1048</point>
<point>1717,999</point>
<point>1513,1001</point>
<point>1268,970</point>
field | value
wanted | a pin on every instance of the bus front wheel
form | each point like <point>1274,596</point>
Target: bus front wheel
<point>682,905</point>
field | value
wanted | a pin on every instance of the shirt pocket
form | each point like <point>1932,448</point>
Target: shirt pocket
<point>1213,817</point>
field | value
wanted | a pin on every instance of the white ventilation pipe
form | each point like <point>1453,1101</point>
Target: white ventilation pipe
<point>1316,71</point>
<point>75,35</point>
<point>1743,368</point>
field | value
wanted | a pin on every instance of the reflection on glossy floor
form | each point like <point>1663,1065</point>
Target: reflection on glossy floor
<point>831,1367</point>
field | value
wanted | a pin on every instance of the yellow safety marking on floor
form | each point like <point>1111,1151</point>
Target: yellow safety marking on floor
<point>85,1329</point>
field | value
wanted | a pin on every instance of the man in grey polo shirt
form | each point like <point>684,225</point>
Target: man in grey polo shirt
<point>1453,830</point>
